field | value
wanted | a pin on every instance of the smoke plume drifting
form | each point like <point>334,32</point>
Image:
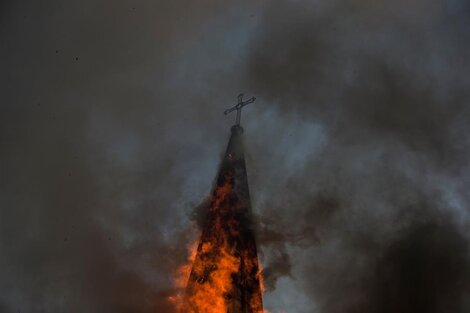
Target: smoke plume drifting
<point>357,149</point>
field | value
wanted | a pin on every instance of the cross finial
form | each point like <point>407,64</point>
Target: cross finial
<point>239,107</point>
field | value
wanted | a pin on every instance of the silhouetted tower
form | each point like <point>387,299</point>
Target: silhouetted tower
<point>225,277</point>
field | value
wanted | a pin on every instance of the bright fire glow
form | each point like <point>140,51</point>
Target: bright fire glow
<point>222,274</point>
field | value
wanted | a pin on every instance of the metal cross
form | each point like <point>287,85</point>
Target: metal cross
<point>239,107</point>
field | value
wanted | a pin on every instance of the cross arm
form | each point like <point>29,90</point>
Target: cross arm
<point>230,110</point>
<point>251,100</point>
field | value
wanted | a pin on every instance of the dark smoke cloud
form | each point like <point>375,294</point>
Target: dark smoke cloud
<point>384,86</point>
<point>357,148</point>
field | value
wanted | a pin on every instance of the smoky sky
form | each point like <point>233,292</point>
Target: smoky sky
<point>357,148</point>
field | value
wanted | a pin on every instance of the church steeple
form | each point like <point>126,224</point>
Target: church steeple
<point>225,276</point>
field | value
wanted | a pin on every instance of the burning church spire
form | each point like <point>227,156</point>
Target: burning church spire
<point>225,276</point>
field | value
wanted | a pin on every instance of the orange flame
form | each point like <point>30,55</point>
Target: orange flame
<point>222,270</point>
<point>181,279</point>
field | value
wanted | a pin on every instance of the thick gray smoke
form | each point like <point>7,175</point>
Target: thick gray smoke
<point>357,149</point>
